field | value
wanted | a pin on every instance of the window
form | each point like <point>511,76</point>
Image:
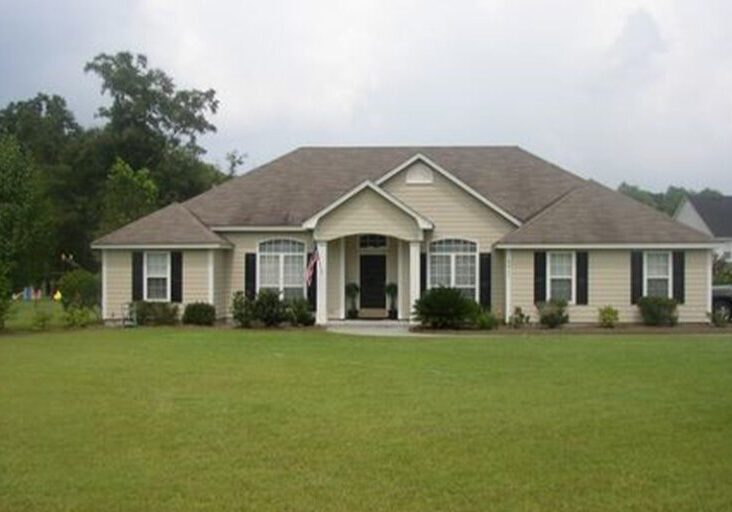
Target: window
<point>282,268</point>
<point>419,174</point>
<point>657,274</point>
<point>372,242</point>
<point>454,263</point>
<point>157,276</point>
<point>560,276</point>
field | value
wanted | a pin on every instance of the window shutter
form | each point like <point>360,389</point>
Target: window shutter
<point>539,277</point>
<point>679,268</point>
<point>137,261</point>
<point>250,274</point>
<point>176,276</point>
<point>581,295</point>
<point>313,288</point>
<point>485,279</point>
<point>422,273</point>
<point>636,276</point>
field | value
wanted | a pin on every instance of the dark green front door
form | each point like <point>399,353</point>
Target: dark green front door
<point>373,281</point>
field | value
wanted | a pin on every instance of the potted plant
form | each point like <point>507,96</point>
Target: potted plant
<point>391,290</point>
<point>352,291</point>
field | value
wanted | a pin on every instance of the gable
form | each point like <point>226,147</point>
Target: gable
<point>688,215</point>
<point>453,211</point>
<point>367,212</point>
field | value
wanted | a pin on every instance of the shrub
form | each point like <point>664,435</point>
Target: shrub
<point>79,316</point>
<point>718,318</point>
<point>269,308</point>
<point>242,309</point>
<point>444,308</point>
<point>486,321</point>
<point>299,312</point>
<point>608,317</point>
<point>42,315</point>
<point>156,313</point>
<point>79,288</point>
<point>5,299</point>
<point>199,313</point>
<point>519,319</point>
<point>352,291</point>
<point>658,311</point>
<point>553,313</point>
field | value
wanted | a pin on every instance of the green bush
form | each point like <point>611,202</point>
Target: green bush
<point>79,316</point>
<point>519,319</point>
<point>486,321</point>
<point>5,299</point>
<point>156,313</point>
<point>553,313</point>
<point>299,312</point>
<point>79,288</point>
<point>718,319</point>
<point>444,308</point>
<point>199,313</point>
<point>608,317</point>
<point>269,308</point>
<point>242,309</point>
<point>42,315</point>
<point>658,311</point>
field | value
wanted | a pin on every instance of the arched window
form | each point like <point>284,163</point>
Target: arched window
<point>454,263</point>
<point>282,268</point>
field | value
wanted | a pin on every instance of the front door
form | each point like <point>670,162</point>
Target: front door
<point>373,281</point>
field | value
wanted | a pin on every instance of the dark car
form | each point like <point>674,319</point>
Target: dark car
<point>722,300</point>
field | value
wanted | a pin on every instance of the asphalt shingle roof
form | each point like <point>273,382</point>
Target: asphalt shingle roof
<point>716,213</point>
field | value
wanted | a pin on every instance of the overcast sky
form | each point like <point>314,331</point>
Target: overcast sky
<point>616,90</point>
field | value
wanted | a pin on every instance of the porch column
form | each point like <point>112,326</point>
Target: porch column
<point>321,310</point>
<point>414,272</point>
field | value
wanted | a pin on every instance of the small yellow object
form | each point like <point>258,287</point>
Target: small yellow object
<point>57,295</point>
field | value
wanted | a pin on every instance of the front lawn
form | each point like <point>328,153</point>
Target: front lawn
<point>196,419</point>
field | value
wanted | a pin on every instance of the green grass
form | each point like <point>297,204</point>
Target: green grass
<point>195,419</point>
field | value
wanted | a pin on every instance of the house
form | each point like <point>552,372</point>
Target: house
<point>506,227</point>
<point>710,215</point>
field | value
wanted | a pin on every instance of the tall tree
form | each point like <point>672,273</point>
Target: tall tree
<point>667,201</point>
<point>128,195</point>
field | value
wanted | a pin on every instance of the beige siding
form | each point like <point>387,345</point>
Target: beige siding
<point>405,307</point>
<point>195,276</point>
<point>498,283</point>
<point>222,282</point>
<point>367,212</point>
<point>452,210</point>
<point>118,292</point>
<point>609,284</point>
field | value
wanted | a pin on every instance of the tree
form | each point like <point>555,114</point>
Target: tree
<point>23,220</point>
<point>666,202</point>
<point>235,159</point>
<point>128,195</point>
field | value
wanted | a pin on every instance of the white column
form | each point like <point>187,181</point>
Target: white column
<point>414,271</point>
<point>342,309</point>
<point>321,311</point>
<point>508,280</point>
<point>399,279</point>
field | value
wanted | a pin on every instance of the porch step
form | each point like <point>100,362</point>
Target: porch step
<point>375,324</point>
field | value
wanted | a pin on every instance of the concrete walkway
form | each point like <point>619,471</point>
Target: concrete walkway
<point>385,328</point>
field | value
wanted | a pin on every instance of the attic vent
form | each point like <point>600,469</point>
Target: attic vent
<point>419,174</point>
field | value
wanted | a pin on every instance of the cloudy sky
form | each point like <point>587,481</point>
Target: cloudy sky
<point>639,91</point>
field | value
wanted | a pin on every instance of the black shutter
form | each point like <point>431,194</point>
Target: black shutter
<point>636,276</point>
<point>539,277</point>
<point>176,276</point>
<point>250,274</point>
<point>422,273</point>
<point>485,279</point>
<point>679,265</point>
<point>313,288</point>
<point>136,276</point>
<point>582,268</point>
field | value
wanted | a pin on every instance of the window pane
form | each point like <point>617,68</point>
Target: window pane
<point>453,245</point>
<point>269,288</point>
<point>657,288</point>
<point>294,270</point>
<point>560,264</point>
<point>468,292</point>
<point>657,264</point>
<point>464,270</point>
<point>157,264</point>
<point>157,288</point>
<point>372,241</point>
<point>293,293</point>
<point>561,289</point>
<point>269,270</point>
<point>439,270</point>
<point>286,246</point>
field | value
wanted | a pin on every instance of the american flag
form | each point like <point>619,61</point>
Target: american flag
<point>312,265</point>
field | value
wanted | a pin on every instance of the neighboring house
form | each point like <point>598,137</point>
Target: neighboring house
<point>710,215</point>
<point>506,227</point>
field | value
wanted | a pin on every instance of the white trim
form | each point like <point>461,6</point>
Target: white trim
<point>573,277</point>
<point>280,229</point>
<point>422,222</point>
<point>457,181</point>
<point>210,276</point>
<point>155,247</point>
<point>321,310</point>
<point>281,262</point>
<point>104,285</point>
<point>452,263</point>
<point>144,277</point>
<point>710,280</point>
<point>670,265</point>
<point>641,246</point>
<point>508,277</point>
<point>415,249</point>
<point>399,279</point>
<point>342,312</point>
